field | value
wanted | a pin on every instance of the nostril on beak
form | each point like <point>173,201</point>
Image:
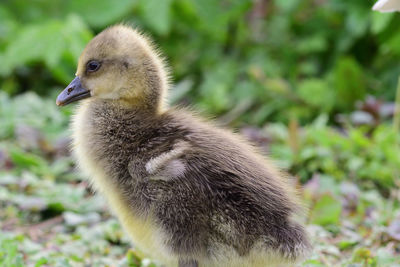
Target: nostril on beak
<point>70,90</point>
<point>73,92</point>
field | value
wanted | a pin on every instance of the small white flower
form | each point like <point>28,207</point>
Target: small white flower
<point>387,5</point>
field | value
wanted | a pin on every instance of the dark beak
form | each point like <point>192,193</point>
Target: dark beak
<point>73,92</point>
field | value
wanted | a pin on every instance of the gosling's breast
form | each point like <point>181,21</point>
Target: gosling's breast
<point>145,234</point>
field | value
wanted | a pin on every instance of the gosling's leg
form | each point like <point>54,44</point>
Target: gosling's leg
<point>188,263</point>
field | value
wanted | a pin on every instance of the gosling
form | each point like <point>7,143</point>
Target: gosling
<point>187,192</point>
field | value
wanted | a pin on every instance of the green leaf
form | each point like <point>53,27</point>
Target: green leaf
<point>288,5</point>
<point>349,82</point>
<point>101,13</point>
<point>12,257</point>
<point>392,44</point>
<point>157,14</point>
<point>357,21</point>
<point>326,211</point>
<point>380,21</point>
<point>48,42</point>
<point>215,89</point>
<point>34,43</point>
<point>214,15</point>
<point>26,160</point>
<point>317,93</point>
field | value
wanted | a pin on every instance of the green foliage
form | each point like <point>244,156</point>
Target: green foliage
<point>317,93</point>
<point>349,82</point>
<point>283,59</point>
<point>9,255</point>
<point>157,15</point>
<point>56,43</point>
<point>326,211</point>
<point>30,109</point>
<point>354,154</point>
<point>99,14</point>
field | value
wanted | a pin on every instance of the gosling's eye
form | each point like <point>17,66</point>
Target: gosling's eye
<point>93,66</point>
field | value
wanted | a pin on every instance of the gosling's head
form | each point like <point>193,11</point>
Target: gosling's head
<point>119,64</point>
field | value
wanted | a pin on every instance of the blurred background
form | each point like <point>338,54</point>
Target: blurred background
<point>312,82</point>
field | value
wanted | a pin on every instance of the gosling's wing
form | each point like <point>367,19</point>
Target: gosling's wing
<point>162,165</point>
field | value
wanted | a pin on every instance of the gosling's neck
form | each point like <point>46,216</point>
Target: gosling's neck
<point>145,105</point>
<point>151,100</point>
<point>126,108</point>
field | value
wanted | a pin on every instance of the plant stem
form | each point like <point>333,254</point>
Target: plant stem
<point>396,115</point>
